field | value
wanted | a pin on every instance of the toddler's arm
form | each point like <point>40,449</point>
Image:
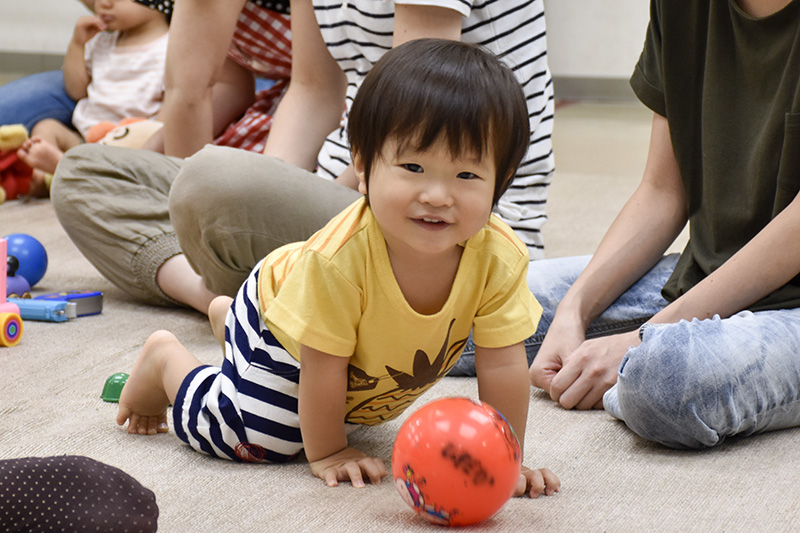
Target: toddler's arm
<point>503,383</point>
<point>76,76</point>
<point>323,387</point>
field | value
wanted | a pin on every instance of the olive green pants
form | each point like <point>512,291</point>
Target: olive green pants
<point>128,211</point>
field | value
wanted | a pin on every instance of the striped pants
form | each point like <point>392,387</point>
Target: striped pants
<point>247,409</point>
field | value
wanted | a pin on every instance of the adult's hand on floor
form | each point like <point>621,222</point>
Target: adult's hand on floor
<point>590,370</point>
<point>563,337</point>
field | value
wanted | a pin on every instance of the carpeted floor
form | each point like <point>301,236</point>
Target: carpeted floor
<point>50,402</point>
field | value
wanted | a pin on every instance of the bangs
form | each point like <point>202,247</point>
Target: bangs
<point>429,90</point>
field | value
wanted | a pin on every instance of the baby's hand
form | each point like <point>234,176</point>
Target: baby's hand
<point>534,483</point>
<point>87,27</point>
<point>349,464</point>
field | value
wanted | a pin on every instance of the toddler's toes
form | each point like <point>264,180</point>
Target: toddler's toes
<point>161,424</point>
<point>138,425</point>
<point>122,415</point>
<point>147,425</point>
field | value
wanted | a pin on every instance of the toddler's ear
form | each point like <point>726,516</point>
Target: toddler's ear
<point>358,169</point>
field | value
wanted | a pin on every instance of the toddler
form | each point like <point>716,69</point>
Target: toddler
<point>114,67</point>
<point>353,325</point>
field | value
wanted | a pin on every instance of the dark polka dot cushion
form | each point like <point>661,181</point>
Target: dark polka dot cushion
<point>72,493</point>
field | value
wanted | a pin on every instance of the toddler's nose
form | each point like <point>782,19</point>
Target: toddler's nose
<point>436,193</point>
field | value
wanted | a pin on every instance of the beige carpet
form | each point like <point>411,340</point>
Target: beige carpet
<point>50,403</point>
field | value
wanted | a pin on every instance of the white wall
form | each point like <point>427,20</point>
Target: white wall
<point>595,38</point>
<point>39,26</point>
<point>586,38</point>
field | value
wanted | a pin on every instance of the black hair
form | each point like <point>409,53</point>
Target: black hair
<point>427,88</point>
<point>163,6</point>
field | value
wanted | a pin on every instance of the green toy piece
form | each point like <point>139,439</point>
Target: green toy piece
<point>113,387</point>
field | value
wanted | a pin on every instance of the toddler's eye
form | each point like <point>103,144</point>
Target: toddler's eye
<point>413,167</point>
<point>467,176</point>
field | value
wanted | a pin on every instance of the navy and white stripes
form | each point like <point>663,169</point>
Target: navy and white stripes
<point>246,410</point>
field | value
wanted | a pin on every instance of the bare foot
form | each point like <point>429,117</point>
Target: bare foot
<point>143,402</point>
<point>217,313</point>
<point>40,154</point>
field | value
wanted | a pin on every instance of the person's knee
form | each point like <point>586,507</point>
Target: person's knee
<point>663,398</point>
<point>201,187</point>
<point>79,161</point>
<point>48,128</point>
<point>71,176</point>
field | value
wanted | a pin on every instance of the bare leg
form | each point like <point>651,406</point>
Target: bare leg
<point>153,384</point>
<point>217,312</point>
<point>180,282</point>
<point>233,93</point>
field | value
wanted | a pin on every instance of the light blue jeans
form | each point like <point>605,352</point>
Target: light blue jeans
<point>689,384</point>
<point>34,98</point>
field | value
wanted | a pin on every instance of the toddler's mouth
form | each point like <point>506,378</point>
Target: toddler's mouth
<point>432,223</point>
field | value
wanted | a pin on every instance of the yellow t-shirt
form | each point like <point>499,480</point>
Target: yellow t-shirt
<point>337,293</point>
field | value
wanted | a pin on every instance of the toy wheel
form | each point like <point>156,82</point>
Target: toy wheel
<point>10,329</point>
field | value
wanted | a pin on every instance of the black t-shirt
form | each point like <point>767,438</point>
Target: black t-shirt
<point>729,85</point>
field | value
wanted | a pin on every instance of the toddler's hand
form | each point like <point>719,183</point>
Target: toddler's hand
<point>534,483</point>
<point>87,27</point>
<point>349,464</point>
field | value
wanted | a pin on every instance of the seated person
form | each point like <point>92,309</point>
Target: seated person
<point>33,98</point>
<point>114,67</point>
<point>689,351</point>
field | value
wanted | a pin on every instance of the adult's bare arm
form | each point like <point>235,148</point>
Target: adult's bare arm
<point>200,34</point>
<point>742,280</point>
<point>312,106</point>
<point>577,372</point>
<point>314,102</point>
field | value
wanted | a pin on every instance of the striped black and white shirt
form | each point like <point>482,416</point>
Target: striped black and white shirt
<point>359,32</point>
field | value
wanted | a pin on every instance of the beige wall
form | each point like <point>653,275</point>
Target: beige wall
<point>587,38</point>
<point>38,26</point>
<point>595,38</point>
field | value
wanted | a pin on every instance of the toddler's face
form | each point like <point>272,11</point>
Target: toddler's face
<point>121,15</point>
<point>427,201</point>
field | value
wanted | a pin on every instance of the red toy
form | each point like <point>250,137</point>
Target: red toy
<point>456,461</point>
<point>15,175</point>
<point>10,322</point>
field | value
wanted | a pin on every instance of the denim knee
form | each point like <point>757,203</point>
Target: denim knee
<point>663,396</point>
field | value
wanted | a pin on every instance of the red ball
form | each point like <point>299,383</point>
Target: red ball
<point>456,461</point>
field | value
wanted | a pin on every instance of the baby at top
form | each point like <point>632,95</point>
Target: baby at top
<point>353,325</point>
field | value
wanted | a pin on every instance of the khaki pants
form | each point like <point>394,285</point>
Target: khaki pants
<point>128,211</point>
